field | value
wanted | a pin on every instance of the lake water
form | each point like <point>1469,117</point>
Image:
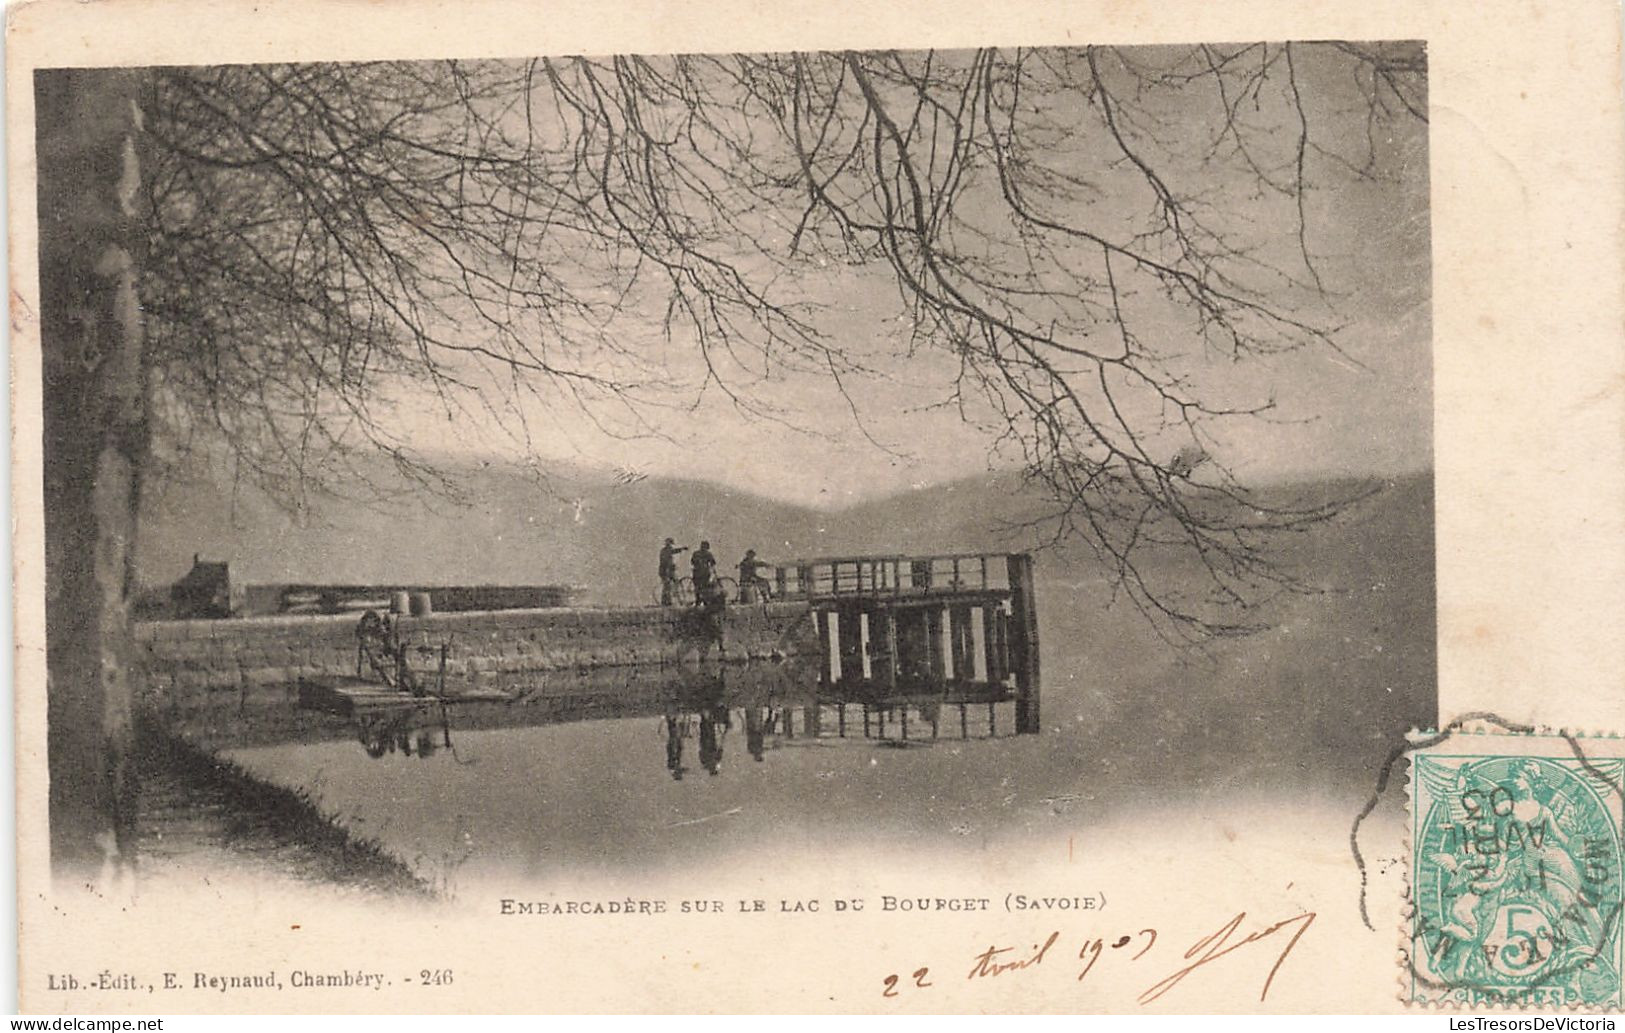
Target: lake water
<point>697,770</point>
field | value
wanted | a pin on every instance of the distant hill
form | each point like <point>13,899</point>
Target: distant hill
<point>584,528</point>
<point>508,527</point>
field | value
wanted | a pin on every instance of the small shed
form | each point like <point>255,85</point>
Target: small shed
<point>204,592</point>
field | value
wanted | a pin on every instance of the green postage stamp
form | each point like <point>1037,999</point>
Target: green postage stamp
<point>1516,871</point>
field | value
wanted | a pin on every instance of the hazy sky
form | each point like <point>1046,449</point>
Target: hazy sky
<point>1367,413</point>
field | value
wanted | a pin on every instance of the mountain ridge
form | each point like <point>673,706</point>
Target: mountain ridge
<point>592,529</point>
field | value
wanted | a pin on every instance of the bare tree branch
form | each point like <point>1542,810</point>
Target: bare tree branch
<point>1081,229</point>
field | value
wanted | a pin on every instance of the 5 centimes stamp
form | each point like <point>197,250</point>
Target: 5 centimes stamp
<point>1516,872</point>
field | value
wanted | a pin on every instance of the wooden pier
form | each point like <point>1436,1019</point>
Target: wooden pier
<point>955,629</point>
<point>891,637</point>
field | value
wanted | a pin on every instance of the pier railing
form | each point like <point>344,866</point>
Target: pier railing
<point>891,576</point>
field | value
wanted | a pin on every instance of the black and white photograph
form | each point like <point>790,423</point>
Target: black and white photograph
<point>520,489</point>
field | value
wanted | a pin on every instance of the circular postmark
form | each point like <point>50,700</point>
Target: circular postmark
<point>1516,882</point>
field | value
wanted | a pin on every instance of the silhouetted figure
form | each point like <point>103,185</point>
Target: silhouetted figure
<point>675,734</point>
<point>751,583</point>
<point>704,565</point>
<point>714,605</point>
<point>668,570</point>
<point>373,739</point>
<point>411,732</point>
<point>756,724</point>
<point>375,646</point>
<point>380,646</point>
<point>714,722</point>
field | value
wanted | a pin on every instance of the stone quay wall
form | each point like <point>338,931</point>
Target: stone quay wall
<point>258,659</point>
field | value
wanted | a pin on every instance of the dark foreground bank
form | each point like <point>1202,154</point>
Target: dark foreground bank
<point>192,802</point>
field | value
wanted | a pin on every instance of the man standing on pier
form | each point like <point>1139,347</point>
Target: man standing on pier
<point>668,570</point>
<point>705,572</point>
<point>752,586</point>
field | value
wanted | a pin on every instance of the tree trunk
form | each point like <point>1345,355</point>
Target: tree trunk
<point>88,126</point>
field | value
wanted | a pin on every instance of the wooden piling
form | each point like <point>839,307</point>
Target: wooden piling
<point>933,644</point>
<point>963,642</point>
<point>1024,643</point>
<point>886,672</point>
<point>913,645</point>
<point>849,633</point>
<point>826,676</point>
<point>990,644</point>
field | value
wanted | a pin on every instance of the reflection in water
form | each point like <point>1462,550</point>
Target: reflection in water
<point>697,705</point>
<point>758,720</point>
<point>712,720</point>
<point>574,775</point>
<point>627,766</point>
<point>676,731</point>
<point>714,726</point>
<point>407,730</point>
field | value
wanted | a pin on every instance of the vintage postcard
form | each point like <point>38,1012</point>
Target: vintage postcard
<point>916,508</point>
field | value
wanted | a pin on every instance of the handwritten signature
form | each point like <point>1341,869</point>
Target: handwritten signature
<point>998,961</point>
<point>1216,945</point>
